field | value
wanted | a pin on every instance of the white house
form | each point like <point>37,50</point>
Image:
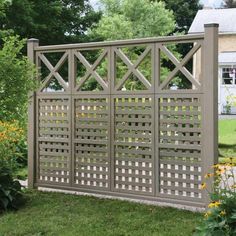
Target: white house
<point>226,18</point>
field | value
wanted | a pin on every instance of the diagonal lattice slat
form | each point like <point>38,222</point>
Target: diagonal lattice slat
<point>91,70</point>
<point>133,68</point>
<point>54,71</point>
<point>180,66</point>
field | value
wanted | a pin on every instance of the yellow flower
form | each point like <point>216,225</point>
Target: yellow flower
<point>223,213</point>
<point>207,214</point>
<point>208,175</point>
<point>220,170</point>
<point>216,166</point>
<point>203,186</point>
<point>214,204</point>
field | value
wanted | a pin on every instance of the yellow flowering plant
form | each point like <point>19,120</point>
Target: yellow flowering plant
<point>220,218</point>
<point>11,135</point>
<point>10,189</point>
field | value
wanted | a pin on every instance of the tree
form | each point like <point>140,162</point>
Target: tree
<point>51,21</point>
<point>15,80</point>
<point>134,19</point>
<point>126,19</point>
<point>3,5</point>
<point>229,3</point>
<point>184,12</point>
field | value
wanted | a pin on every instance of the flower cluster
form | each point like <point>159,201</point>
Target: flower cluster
<point>10,131</point>
<point>220,218</point>
<point>11,135</point>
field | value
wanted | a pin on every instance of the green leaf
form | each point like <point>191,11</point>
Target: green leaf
<point>4,202</point>
<point>233,216</point>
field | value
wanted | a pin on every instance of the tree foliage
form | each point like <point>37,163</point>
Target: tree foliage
<point>229,3</point>
<point>51,21</point>
<point>184,12</point>
<point>134,19</point>
<point>15,80</point>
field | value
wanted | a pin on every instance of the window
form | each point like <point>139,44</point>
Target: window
<point>229,75</point>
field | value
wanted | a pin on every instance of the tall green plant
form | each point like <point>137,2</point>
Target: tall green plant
<point>15,80</point>
<point>10,189</point>
<point>220,219</point>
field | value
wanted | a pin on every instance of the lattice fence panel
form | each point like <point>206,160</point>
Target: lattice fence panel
<point>91,142</point>
<point>133,121</point>
<point>54,149</point>
<point>105,119</point>
<point>180,146</point>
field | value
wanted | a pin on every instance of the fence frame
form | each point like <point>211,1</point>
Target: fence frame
<point>208,93</point>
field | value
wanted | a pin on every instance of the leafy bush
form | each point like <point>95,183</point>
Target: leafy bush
<point>15,80</point>
<point>16,73</point>
<point>10,190</point>
<point>220,219</point>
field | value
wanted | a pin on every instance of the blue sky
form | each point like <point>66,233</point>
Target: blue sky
<point>213,3</point>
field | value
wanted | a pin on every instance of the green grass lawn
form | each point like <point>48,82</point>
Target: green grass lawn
<point>64,214</point>
<point>227,138</point>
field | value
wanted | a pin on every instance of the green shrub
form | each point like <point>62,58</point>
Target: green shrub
<point>16,73</point>
<point>22,152</point>
<point>10,189</point>
<point>220,219</point>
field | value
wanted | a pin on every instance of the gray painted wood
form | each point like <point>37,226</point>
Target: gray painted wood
<point>155,143</point>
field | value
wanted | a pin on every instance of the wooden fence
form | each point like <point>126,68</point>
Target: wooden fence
<point>113,117</point>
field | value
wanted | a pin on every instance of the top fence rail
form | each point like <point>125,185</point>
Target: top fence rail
<point>184,38</point>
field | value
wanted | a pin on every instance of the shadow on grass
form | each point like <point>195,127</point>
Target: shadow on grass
<point>227,150</point>
<point>227,146</point>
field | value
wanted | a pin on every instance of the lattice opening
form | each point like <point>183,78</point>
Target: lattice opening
<point>133,141</point>
<point>180,142</point>
<point>120,69</point>
<point>54,162</point>
<point>53,71</point>
<point>177,66</point>
<point>166,66</point>
<point>64,72</point>
<point>91,84</point>
<point>179,81</point>
<point>43,71</point>
<point>91,55</point>
<point>133,52</point>
<point>180,50</point>
<point>145,67</point>
<point>92,70</point>
<point>132,84</point>
<point>91,148</point>
<point>53,145</point>
<point>133,68</point>
<point>102,69</point>
<point>80,70</point>
<point>53,86</point>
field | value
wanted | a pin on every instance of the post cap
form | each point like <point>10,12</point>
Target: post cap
<point>211,25</point>
<point>32,40</point>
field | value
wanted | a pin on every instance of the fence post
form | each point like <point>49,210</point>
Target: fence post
<point>210,102</point>
<point>31,44</point>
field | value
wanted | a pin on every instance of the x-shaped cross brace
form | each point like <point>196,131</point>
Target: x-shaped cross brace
<point>53,71</point>
<point>180,66</point>
<point>133,68</point>
<point>91,70</point>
